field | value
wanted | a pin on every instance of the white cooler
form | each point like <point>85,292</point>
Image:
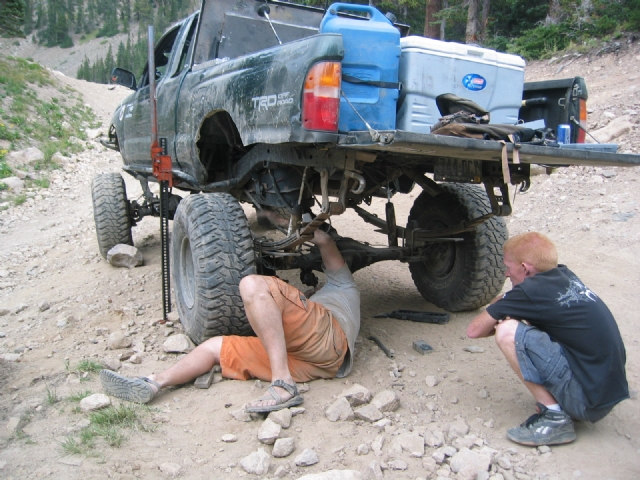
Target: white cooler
<point>429,68</point>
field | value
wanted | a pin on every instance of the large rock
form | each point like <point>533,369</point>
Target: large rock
<point>269,432</point>
<point>25,157</point>
<point>467,464</point>
<point>118,340</point>
<point>283,447</point>
<point>256,463</point>
<point>433,438</point>
<point>412,443</point>
<point>14,183</point>
<point>386,401</point>
<point>94,402</point>
<point>170,468</point>
<point>178,343</point>
<point>334,475</point>
<point>281,417</point>
<point>339,410</point>
<point>459,428</point>
<point>125,256</point>
<point>307,458</point>
<point>368,413</point>
<point>616,128</point>
<point>356,395</point>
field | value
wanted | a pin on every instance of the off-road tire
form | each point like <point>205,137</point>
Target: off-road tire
<point>462,275</point>
<point>211,251</point>
<point>110,211</point>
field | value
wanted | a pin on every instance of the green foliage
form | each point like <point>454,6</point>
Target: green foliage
<point>541,41</point>
<point>12,17</point>
<point>52,397</point>
<point>109,426</point>
<point>89,366</point>
<point>5,170</point>
<point>76,397</point>
<point>19,199</point>
<point>41,182</point>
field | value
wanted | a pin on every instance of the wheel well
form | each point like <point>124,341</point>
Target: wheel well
<point>219,145</point>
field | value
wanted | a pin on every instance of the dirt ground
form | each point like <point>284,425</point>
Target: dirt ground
<point>59,299</point>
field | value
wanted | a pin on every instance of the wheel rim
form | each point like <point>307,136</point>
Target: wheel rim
<point>441,256</point>
<point>187,274</point>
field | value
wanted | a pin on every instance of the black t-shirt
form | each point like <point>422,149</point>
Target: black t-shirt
<point>558,303</point>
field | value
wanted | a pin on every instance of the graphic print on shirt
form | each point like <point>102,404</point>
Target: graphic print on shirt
<point>576,292</point>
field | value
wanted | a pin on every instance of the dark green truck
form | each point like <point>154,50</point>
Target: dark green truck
<point>248,99</point>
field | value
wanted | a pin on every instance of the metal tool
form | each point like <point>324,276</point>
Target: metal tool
<point>161,163</point>
<point>378,342</point>
<point>416,316</point>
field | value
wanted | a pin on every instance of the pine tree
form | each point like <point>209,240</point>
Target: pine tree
<point>109,63</point>
<point>121,56</point>
<point>143,11</point>
<point>28,17</point>
<point>12,18</point>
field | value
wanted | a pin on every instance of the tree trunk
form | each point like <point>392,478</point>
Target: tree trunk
<point>555,13</point>
<point>432,30</point>
<point>485,18</point>
<point>472,22</point>
<point>443,23</point>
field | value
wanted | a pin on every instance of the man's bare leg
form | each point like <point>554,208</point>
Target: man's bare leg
<point>144,389</point>
<point>265,318</point>
<point>505,338</point>
<point>197,362</point>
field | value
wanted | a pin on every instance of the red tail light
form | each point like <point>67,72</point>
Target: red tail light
<point>581,136</point>
<point>321,97</point>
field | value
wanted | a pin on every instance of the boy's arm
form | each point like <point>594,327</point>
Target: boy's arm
<point>483,325</point>
<point>331,256</point>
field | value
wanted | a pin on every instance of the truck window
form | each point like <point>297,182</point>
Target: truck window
<point>231,28</point>
<point>187,48</point>
<point>162,56</point>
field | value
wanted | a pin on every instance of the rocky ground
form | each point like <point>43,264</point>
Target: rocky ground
<point>446,412</point>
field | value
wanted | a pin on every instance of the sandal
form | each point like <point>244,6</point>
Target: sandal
<point>139,390</point>
<point>280,404</point>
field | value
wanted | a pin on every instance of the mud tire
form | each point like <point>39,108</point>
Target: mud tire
<point>463,275</point>
<point>211,251</point>
<point>110,211</point>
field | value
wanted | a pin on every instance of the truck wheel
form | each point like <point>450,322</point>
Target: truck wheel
<point>110,211</point>
<point>462,275</point>
<point>211,250</point>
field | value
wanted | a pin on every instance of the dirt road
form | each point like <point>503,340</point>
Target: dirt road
<point>59,300</point>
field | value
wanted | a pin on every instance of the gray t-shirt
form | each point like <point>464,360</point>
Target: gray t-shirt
<point>341,296</point>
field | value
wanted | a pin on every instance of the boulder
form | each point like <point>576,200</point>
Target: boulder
<point>125,256</point>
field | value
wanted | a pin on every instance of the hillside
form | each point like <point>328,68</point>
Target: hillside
<point>60,302</point>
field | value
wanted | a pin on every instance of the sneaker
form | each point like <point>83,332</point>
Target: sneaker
<point>544,428</point>
<point>139,390</point>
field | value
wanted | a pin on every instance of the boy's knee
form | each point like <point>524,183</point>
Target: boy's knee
<point>506,332</point>
<point>252,284</point>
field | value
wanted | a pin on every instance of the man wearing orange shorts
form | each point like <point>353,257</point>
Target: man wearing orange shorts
<point>298,339</point>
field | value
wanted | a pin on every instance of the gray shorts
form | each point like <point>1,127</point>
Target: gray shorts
<point>542,362</point>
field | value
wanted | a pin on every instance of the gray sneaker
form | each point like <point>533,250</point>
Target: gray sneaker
<point>544,428</point>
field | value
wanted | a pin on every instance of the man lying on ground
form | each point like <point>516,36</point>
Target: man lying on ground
<point>560,339</point>
<point>298,339</point>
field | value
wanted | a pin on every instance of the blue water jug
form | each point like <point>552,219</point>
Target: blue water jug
<point>369,67</point>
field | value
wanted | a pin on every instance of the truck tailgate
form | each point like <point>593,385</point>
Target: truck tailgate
<point>427,145</point>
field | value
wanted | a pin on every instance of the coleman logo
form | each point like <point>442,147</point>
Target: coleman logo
<point>474,82</point>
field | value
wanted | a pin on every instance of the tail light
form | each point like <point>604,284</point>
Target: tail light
<point>321,97</point>
<point>581,134</point>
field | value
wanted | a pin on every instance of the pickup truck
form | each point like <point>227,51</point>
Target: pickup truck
<point>249,97</point>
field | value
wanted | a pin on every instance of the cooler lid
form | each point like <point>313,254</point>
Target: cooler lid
<point>471,53</point>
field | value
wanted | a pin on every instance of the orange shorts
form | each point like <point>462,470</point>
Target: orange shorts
<point>316,344</point>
